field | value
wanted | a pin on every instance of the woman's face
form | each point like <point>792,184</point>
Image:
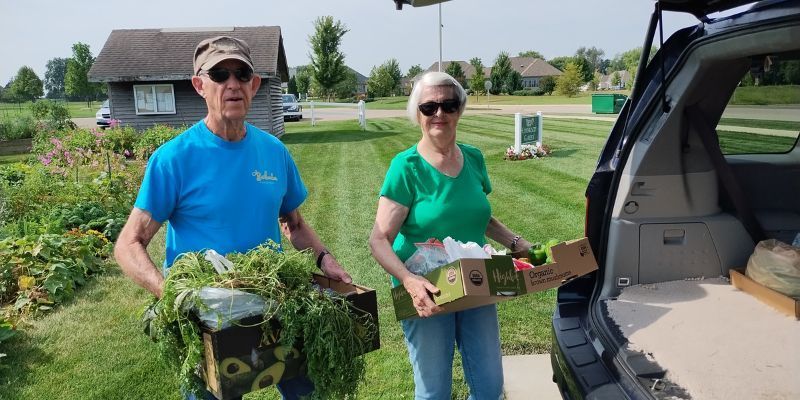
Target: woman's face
<point>441,124</point>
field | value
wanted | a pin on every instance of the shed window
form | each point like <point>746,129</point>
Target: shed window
<point>154,99</point>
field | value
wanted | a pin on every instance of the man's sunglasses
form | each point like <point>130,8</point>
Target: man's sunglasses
<point>220,75</point>
<point>448,106</point>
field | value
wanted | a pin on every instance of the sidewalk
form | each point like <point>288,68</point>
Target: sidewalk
<point>529,377</point>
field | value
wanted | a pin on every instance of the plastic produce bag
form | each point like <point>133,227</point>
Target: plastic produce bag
<point>776,265</point>
<point>221,307</point>
<point>429,256</point>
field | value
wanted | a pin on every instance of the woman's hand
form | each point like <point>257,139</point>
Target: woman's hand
<point>421,290</point>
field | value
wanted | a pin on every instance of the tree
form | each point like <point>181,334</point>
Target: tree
<point>595,82</point>
<point>513,82</point>
<point>500,71</point>
<point>531,53</point>
<point>380,82</point>
<point>570,81</point>
<point>477,79</point>
<point>629,60</point>
<point>302,77</point>
<point>27,85</point>
<point>327,61</point>
<point>593,56</point>
<point>616,79</point>
<point>393,68</point>
<point>414,71</point>
<point>547,84</point>
<point>454,69</point>
<point>560,62</point>
<point>291,87</point>
<point>54,78</point>
<point>346,88</point>
<point>76,80</point>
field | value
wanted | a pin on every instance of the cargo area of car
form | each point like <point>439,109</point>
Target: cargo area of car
<point>676,232</point>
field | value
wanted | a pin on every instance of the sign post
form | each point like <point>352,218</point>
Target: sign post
<point>527,130</point>
<point>487,84</point>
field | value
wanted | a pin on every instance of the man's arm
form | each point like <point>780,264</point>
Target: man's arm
<point>302,236</point>
<point>131,251</point>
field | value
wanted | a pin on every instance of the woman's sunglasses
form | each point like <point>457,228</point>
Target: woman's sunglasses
<point>220,75</point>
<point>448,106</point>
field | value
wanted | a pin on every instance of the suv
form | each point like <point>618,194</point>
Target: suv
<point>103,115</point>
<point>291,110</point>
<point>685,186</point>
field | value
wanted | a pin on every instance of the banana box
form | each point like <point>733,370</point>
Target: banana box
<point>240,359</point>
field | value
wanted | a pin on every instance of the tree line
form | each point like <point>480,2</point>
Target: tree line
<point>64,78</point>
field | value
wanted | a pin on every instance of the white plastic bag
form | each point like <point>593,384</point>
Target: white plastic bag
<point>221,307</point>
<point>776,265</point>
<point>457,250</point>
<point>429,256</point>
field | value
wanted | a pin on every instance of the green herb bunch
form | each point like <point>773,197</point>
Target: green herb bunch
<point>317,321</point>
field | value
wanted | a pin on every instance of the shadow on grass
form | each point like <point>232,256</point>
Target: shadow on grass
<point>321,135</point>
<point>561,153</point>
<point>23,355</point>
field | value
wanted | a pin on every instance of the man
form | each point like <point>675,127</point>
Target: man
<point>223,184</point>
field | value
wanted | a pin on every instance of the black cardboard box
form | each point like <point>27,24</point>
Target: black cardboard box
<point>240,360</point>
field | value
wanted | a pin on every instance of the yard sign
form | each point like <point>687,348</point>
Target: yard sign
<point>527,130</point>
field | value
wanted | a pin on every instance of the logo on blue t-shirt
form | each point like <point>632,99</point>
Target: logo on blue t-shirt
<point>265,177</point>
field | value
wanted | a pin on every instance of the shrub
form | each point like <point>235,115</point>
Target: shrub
<point>52,115</point>
<point>529,92</point>
<point>17,127</point>
<point>153,138</point>
<point>120,138</point>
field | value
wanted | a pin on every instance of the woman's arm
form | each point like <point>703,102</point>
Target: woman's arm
<point>501,234</point>
<point>388,220</point>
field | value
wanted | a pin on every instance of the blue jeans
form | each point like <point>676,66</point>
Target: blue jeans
<point>292,389</point>
<point>431,344</point>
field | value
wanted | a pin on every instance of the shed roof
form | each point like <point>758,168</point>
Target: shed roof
<point>166,54</point>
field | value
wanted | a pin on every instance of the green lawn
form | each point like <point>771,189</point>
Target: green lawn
<point>763,95</point>
<point>93,348</point>
<point>9,159</point>
<point>77,109</point>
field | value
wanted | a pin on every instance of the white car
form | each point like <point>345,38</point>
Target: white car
<point>103,115</point>
<point>291,110</point>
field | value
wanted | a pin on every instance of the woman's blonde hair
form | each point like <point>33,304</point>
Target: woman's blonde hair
<point>433,78</point>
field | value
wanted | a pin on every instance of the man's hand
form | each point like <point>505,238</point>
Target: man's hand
<point>331,268</point>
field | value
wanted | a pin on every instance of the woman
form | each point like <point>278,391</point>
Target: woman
<point>435,189</point>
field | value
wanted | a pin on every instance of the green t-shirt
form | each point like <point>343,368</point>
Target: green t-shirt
<point>438,205</point>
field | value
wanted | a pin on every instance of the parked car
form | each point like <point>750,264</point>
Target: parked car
<point>291,109</point>
<point>103,115</point>
<point>678,198</point>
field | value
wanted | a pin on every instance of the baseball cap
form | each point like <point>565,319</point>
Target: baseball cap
<point>212,51</point>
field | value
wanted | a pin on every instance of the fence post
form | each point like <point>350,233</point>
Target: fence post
<point>362,115</point>
<point>313,121</point>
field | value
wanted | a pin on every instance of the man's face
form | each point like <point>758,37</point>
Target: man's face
<point>230,99</point>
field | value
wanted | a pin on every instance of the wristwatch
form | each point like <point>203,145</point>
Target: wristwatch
<point>514,241</point>
<point>321,256</point>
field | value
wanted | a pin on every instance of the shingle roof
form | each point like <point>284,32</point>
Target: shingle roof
<point>468,69</point>
<point>533,67</point>
<point>166,54</point>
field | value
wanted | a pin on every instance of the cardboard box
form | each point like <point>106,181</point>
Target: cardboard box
<point>239,359</point>
<point>777,300</point>
<point>470,283</point>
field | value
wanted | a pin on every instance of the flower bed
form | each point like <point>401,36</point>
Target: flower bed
<point>527,151</point>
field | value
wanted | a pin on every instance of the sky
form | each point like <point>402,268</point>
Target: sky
<point>34,31</point>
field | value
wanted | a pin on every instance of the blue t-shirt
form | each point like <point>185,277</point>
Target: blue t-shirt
<point>220,195</point>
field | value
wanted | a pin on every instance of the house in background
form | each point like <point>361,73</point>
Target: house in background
<point>361,82</point>
<point>148,73</point>
<point>533,70</point>
<point>607,81</point>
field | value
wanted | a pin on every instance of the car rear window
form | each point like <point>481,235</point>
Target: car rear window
<point>763,114</point>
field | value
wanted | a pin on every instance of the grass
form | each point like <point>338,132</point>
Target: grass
<point>751,143</point>
<point>77,109</point>
<point>13,158</point>
<point>93,348</point>
<point>763,95</point>
<point>760,123</point>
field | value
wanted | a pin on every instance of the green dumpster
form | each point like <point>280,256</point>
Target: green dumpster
<point>607,103</point>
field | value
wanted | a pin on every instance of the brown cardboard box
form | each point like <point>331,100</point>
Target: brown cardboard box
<point>777,300</point>
<point>470,283</point>
<point>239,359</point>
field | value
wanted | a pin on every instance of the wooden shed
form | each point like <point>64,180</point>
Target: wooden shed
<point>148,73</point>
